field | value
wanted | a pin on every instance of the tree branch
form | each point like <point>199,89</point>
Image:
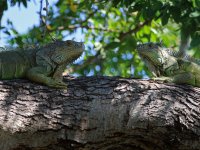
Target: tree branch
<point>86,27</point>
<point>136,29</point>
<point>99,113</point>
<point>90,60</point>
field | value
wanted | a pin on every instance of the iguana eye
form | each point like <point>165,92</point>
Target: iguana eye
<point>69,43</point>
<point>150,45</point>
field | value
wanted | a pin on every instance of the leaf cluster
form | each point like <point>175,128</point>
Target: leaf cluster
<point>111,30</point>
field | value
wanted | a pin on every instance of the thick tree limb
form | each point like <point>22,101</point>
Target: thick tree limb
<point>99,113</point>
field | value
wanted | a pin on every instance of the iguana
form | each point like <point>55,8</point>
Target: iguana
<point>166,66</point>
<point>43,65</point>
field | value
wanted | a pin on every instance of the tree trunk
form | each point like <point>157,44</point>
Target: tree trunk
<point>104,113</point>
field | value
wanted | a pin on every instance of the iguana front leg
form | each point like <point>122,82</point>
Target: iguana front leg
<point>40,74</point>
<point>44,71</point>
<point>182,78</point>
<point>57,75</point>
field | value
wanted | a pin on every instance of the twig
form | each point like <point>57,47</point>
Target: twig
<point>90,27</point>
<point>45,18</point>
<point>136,29</point>
<point>42,22</point>
<point>90,60</point>
<point>88,17</point>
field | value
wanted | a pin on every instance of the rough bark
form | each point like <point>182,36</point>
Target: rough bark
<point>104,113</point>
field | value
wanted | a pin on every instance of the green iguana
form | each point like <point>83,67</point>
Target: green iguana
<point>166,66</point>
<point>43,65</point>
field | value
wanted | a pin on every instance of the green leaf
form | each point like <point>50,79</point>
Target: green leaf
<point>195,40</point>
<point>128,43</point>
<point>116,2</point>
<point>157,5</point>
<point>19,41</point>
<point>14,31</point>
<point>113,45</point>
<point>195,14</point>
<point>197,3</point>
<point>1,27</point>
<point>128,3</point>
<point>3,5</point>
<point>24,3</point>
<point>176,13</point>
<point>7,32</point>
<point>165,18</point>
<point>137,7</point>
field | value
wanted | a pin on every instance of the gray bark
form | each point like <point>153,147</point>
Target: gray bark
<point>104,113</point>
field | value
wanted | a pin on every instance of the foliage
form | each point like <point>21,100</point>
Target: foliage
<point>113,28</point>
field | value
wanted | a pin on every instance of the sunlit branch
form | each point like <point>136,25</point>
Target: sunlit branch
<point>97,57</point>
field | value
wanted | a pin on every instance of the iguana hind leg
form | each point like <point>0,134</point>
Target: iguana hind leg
<point>182,78</point>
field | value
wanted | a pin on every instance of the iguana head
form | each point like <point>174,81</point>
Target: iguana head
<point>152,52</point>
<point>74,49</point>
<point>156,57</point>
<point>67,51</point>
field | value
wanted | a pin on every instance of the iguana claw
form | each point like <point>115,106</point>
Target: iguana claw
<point>56,84</point>
<point>163,79</point>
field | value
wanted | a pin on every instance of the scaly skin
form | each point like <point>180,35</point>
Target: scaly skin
<point>44,65</point>
<point>167,67</point>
